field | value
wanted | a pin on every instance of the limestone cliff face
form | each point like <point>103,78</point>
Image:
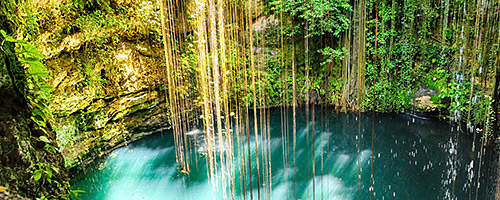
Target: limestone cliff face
<point>108,102</point>
<point>107,68</point>
<point>106,62</point>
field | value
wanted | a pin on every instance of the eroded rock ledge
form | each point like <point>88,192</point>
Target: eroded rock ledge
<point>106,67</point>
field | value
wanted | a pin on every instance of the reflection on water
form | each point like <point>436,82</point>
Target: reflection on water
<point>414,158</point>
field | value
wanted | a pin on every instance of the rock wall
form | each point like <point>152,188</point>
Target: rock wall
<point>126,99</point>
<point>107,67</point>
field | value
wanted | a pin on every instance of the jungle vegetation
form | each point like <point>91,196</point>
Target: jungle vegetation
<point>231,57</point>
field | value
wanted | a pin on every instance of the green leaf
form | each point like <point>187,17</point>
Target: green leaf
<point>42,106</point>
<point>38,112</point>
<point>36,68</point>
<point>44,139</point>
<point>45,87</point>
<point>43,130</point>
<point>38,121</point>
<point>55,169</point>
<point>4,34</point>
<point>49,148</point>
<point>76,192</point>
<point>37,176</point>
<point>9,39</point>
<point>31,50</point>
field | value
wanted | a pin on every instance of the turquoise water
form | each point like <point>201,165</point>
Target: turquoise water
<point>413,159</point>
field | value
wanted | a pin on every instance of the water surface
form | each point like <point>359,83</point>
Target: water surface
<point>413,159</point>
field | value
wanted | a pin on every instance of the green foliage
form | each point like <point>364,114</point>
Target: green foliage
<point>321,16</point>
<point>454,96</point>
<point>20,18</point>
<point>330,55</point>
<point>389,97</point>
<point>149,14</point>
<point>436,79</point>
<point>43,173</point>
<point>66,135</point>
<point>75,193</point>
<point>92,79</point>
<point>72,195</point>
<point>272,82</point>
<point>84,5</point>
<point>189,63</point>
<point>98,24</point>
<point>38,91</point>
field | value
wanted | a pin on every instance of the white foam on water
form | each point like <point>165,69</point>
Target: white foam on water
<point>131,186</point>
<point>194,132</point>
<point>305,130</point>
<point>282,191</point>
<point>329,187</point>
<point>340,163</point>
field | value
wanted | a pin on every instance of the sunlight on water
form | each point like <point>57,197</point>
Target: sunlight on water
<point>413,158</point>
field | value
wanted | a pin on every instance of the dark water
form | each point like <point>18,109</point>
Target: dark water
<point>413,159</point>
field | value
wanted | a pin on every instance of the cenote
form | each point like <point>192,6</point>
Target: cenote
<point>414,158</point>
<point>250,99</point>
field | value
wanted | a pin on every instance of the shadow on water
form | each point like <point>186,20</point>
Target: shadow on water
<point>413,159</point>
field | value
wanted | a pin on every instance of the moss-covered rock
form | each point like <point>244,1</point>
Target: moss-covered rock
<point>30,165</point>
<point>108,69</point>
<point>422,99</point>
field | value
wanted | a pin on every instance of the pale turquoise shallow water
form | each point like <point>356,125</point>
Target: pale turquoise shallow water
<point>413,159</point>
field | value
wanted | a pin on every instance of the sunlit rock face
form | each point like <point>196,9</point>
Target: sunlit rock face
<point>105,101</point>
<point>108,70</point>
